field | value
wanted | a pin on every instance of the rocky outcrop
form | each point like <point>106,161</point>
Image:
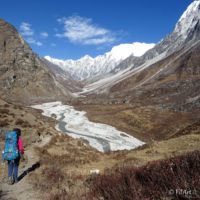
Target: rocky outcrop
<point>23,76</point>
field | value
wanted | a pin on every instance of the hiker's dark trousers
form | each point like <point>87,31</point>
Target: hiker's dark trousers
<point>13,166</point>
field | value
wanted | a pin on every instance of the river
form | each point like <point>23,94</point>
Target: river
<point>74,123</point>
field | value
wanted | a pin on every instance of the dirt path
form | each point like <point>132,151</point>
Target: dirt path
<point>23,189</point>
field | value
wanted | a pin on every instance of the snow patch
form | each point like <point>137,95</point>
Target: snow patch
<point>189,19</point>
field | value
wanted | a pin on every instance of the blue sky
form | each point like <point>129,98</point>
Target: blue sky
<point>70,29</point>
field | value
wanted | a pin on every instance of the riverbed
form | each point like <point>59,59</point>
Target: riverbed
<point>74,123</point>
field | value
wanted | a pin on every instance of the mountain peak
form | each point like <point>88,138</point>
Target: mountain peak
<point>86,57</point>
<point>88,67</point>
<point>189,19</point>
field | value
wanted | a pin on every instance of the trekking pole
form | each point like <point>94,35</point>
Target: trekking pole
<point>1,181</point>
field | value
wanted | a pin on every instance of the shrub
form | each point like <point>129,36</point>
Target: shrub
<point>6,105</point>
<point>21,122</point>
<point>4,123</point>
<point>53,174</point>
<point>156,180</point>
<point>4,111</point>
<point>57,184</point>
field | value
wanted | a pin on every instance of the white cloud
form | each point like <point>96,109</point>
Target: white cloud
<point>83,31</point>
<point>33,41</point>
<point>29,35</point>
<point>122,51</point>
<point>44,34</point>
<point>25,29</point>
<point>97,41</point>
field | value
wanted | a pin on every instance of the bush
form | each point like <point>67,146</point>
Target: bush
<point>6,105</point>
<point>53,174</point>
<point>156,180</point>
<point>56,184</point>
<point>4,123</point>
<point>4,111</point>
<point>21,122</point>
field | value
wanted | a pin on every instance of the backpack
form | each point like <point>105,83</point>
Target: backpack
<point>11,151</point>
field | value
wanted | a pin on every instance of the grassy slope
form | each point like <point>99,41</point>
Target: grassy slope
<point>146,123</point>
<point>30,121</point>
<point>66,163</point>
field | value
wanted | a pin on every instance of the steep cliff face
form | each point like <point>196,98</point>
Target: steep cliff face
<point>23,76</point>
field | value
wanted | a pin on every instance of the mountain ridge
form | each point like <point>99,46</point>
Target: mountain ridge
<point>88,67</point>
<point>185,32</point>
<point>174,42</point>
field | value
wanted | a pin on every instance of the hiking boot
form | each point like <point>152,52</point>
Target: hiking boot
<point>10,181</point>
<point>15,181</point>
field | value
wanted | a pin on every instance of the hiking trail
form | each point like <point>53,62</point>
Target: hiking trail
<point>23,190</point>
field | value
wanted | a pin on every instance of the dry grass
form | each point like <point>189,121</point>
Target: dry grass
<point>164,149</point>
<point>62,170</point>
<point>146,123</point>
<point>67,152</point>
<point>27,119</point>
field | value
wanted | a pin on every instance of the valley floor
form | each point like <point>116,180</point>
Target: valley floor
<point>147,123</point>
<point>66,164</point>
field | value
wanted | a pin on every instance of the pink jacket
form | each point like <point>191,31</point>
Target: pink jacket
<point>20,145</point>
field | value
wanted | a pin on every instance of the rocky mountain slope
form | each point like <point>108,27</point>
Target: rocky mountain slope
<point>23,75</point>
<point>169,72</point>
<point>63,77</point>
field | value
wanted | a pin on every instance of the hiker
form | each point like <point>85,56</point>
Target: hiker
<point>13,152</point>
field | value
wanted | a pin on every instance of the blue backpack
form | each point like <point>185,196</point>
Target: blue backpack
<point>11,146</point>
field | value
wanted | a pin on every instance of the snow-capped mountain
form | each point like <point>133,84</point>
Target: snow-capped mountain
<point>185,35</point>
<point>188,20</point>
<point>88,67</point>
<point>185,32</point>
<point>126,60</point>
